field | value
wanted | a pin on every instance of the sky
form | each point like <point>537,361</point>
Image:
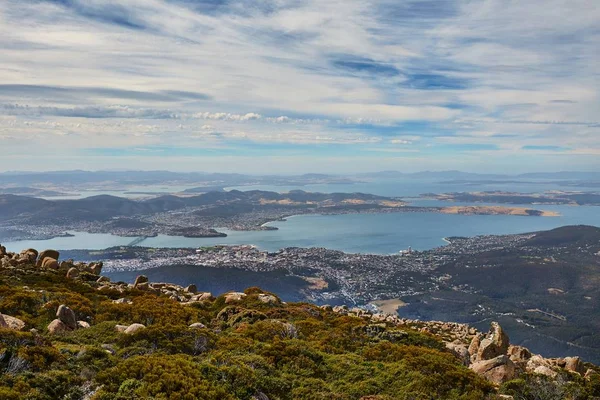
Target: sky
<point>296,86</point>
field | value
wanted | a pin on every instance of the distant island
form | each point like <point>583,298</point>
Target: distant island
<point>544,198</point>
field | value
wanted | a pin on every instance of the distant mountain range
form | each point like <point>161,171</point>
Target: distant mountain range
<point>213,180</point>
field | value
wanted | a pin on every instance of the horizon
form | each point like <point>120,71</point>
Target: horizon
<point>300,86</point>
<point>351,173</point>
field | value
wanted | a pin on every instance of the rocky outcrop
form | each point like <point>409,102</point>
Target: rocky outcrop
<point>494,344</point>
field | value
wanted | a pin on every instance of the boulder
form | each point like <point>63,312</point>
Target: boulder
<point>142,286</point>
<point>3,323</point>
<point>67,316</point>
<point>234,296</point>
<point>72,273</point>
<point>197,325</point>
<point>133,328</point>
<point>140,279</point>
<point>83,325</point>
<point>574,364</point>
<point>494,344</point>
<point>536,361</point>
<point>31,251</point>
<point>47,253</point>
<point>191,289</point>
<point>497,370</point>
<point>206,296</point>
<point>95,268</point>
<point>57,326</point>
<point>49,263</point>
<point>2,250</point>
<point>121,328</point>
<point>518,354</point>
<point>30,255</point>
<point>13,323</point>
<point>103,279</point>
<point>268,298</point>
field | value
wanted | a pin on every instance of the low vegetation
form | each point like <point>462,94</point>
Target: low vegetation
<point>246,349</point>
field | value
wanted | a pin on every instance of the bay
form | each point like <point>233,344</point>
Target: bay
<point>354,233</point>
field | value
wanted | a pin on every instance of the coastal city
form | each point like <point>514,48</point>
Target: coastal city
<point>331,275</point>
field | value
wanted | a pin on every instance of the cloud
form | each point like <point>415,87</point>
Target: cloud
<point>302,72</point>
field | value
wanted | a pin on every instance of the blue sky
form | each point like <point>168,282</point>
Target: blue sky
<point>292,86</point>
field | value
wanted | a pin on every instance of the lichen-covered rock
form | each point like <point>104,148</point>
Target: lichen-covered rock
<point>574,364</point>
<point>518,354</point>
<point>545,370</point>
<point>268,298</point>
<point>497,370</point>
<point>121,328</point>
<point>67,316</point>
<point>234,296</point>
<point>57,326</point>
<point>3,323</point>
<point>12,323</point>
<point>47,253</point>
<point>133,328</point>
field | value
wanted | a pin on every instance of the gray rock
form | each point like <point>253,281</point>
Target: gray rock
<point>67,316</point>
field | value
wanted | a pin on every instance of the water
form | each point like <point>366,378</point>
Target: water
<point>355,233</point>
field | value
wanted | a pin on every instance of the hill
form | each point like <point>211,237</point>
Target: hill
<point>66,332</point>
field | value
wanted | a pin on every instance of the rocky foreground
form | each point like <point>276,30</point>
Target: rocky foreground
<point>67,316</point>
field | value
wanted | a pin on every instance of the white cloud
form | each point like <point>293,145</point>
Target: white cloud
<point>495,72</point>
